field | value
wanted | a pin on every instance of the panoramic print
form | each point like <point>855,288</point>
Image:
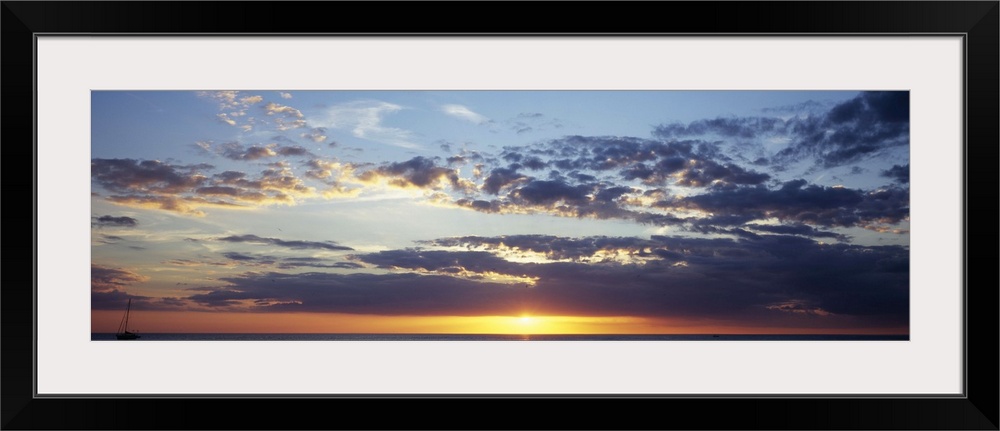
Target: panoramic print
<point>500,215</point>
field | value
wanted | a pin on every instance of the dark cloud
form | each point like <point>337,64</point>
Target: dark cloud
<point>491,206</point>
<point>809,106</point>
<point>684,163</point>
<point>294,244</point>
<point>116,300</point>
<point>705,173</point>
<point>734,195</point>
<point>239,256</point>
<point>104,279</point>
<point>766,279</point>
<point>796,202</point>
<point>236,151</point>
<point>292,150</point>
<point>128,175</point>
<point>898,173</point>
<point>746,128</point>
<point>185,188</point>
<point>851,131</point>
<point>112,221</point>
<point>313,262</point>
<point>500,178</point>
<point>390,294</point>
<point>549,192</point>
<point>865,126</point>
<point>561,198</point>
<point>417,172</point>
<point>613,193</point>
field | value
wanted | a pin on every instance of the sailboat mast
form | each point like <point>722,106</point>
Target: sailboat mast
<point>123,326</point>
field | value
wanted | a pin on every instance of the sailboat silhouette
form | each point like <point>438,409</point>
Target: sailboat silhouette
<point>123,332</point>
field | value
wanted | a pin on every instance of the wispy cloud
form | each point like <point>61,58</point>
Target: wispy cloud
<point>364,120</point>
<point>464,113</point>
<point>294,244</point>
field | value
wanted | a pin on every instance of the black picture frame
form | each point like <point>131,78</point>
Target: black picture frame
<point>978,22</point>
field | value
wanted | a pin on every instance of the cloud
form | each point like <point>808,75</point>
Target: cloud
<point>798,306</point>
<point>900,174</point>
<point>166,203</point>
<point>631,183</point>
<point>863,127</point>
<point>238,256</point>
<point>558,198</point>
<point>866,126</point>
<point>225,119</point>
<point>464,113</point>
<point>418,172</point>
<point>771,279</point>
<point>234,106</point>
<point>104,279</point>
<point>285,117</point>
<point>683,163</point>
<point>549,192</point>
<point>360,294</point>
<point>313,262</point>
<point>745,128</point>
<point>364,120</point>
<point>316,134</point>
<point>293,244</point>
<point>282,110</point>
<point>594,249</point>
<point>810,107</point>
<point>527,122</point>
<point>180,188</point>
<point>797,202</point>
<point>501,178</point>
<point>236,151</point>
<point>285,95</point>
<point>795,229</point>
<point>112,221</point>
<point>231,100</point>
<point>125,175</point>
<point>328,170</point>
<point>292,151</point>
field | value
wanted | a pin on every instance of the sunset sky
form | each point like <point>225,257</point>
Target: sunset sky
<point>501,211</point>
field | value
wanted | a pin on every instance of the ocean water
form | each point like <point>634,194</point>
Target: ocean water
<point>493,337</point>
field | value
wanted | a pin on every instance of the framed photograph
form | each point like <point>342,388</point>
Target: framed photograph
<point>768,218</point>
